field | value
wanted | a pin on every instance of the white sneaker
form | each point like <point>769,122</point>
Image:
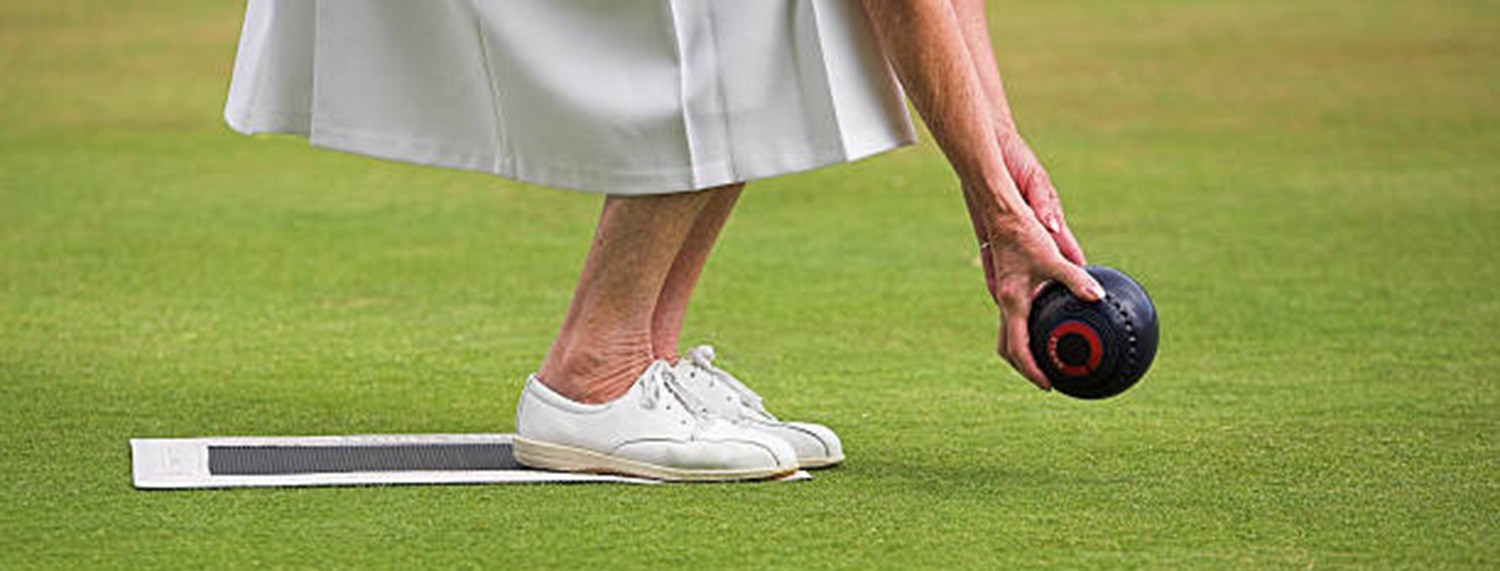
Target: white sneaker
<point>816,445</point>
<point>655,430</point>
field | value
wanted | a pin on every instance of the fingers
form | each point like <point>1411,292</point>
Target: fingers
<point>1032,181</point>
<point>1015,347</point>
<point>1036,187</point>
<point>1080,282</point>
<point>1038,191</point>
<point>1043,200</point>
<point>1068,245</point>
<point>1042,197</point>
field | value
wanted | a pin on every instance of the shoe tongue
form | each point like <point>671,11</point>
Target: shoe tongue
<point>703,356</point>
<point>668,377</point>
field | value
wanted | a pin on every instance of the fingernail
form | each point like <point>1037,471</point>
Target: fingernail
<point>1052,225</point>
<point>1097,291</point>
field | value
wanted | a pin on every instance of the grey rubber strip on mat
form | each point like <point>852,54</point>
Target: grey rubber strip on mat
<point>272,460</point>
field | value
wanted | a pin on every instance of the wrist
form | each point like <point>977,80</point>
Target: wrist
<point>994,196</point>
<point>994,217</point>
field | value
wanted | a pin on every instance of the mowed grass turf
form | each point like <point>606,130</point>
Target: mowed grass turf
<point>1308,189</point>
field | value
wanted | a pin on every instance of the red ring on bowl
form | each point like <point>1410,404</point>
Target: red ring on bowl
<point>1075,327</point>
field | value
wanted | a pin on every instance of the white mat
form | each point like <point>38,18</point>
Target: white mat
<point>184,463</point>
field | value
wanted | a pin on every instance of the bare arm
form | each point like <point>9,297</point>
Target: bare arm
<point>924,42</point>
<point>1025,170</point>
<point>976,33</point>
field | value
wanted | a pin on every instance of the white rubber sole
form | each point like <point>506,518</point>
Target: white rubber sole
<point>820,463</point>
<point>547,456</point>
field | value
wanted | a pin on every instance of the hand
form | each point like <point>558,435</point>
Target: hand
<point>1036,188</point>
<point>1019,258</point>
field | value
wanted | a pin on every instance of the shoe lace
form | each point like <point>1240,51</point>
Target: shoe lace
<point>663,379</point>
<point>703,356</point>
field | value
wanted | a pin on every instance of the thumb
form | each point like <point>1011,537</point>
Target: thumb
<point>1080,282</point>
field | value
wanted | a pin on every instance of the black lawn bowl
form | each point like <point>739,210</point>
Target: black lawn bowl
<point>1094,350</point>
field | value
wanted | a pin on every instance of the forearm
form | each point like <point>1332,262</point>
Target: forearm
<point>1025,170</point>
<point>924,43</point>
<point>976,31</point>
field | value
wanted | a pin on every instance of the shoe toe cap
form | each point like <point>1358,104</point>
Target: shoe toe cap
<point>816,445</point>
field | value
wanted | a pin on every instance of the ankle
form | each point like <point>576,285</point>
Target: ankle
<point>664,345</point>
<point>594,378</point>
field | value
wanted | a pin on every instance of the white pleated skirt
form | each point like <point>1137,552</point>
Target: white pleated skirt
<point>607,96</point>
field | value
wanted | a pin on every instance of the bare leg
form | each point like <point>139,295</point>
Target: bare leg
<point>605,339</point>
<point>671,306</point>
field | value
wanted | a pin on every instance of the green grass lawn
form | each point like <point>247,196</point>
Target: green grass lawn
<point>1310,191</point>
